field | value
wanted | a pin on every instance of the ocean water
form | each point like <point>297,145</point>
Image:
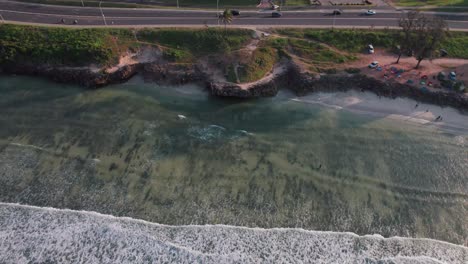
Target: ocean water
<point>176,156</point>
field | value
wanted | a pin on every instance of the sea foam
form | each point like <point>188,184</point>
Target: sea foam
<point>36,235</point>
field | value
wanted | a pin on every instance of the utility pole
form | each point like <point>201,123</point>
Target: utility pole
<point>82,3</point>
<point>177,3</point>
<point>334,18</point>
<point>217,10</point>
<point>102,13</point>
<point>3,20</point>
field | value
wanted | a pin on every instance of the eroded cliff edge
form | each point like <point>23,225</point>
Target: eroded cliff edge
<point>289,76</point>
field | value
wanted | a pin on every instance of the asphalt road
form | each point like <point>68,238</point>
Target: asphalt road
<point>44,14</point>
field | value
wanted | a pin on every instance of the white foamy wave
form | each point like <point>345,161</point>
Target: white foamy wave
<point>207,133</point>
<point>460,140</point>
<point>36,235</point>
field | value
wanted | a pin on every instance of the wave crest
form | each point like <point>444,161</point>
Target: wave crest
<point>34,234</point>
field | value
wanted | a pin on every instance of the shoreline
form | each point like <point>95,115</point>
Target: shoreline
<point>283,76</point>
<point>399,109</point>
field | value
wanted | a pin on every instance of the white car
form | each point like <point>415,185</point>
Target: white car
<point>370,48</point>
<point>373,64</point>
<point>370,12</point>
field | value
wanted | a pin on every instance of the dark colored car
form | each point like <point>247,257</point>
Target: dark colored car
<point>276,14</point>
<point>443,52</point>
<point>235,12</point>
<point>337,12</point>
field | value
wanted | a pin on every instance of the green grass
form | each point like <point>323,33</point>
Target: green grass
<point>316,52</point>
<point>415,3</point>
<point>446,9</point>
<point>346,40</point>
<point>457,45</point>
<point>201,41</point>
<point>320,57</point>
<point>357,40</point>
<point>198,41</point>
<point>76,47</point>
<point>61,46</point>
<point>321,49</point>
<point>262,61</point>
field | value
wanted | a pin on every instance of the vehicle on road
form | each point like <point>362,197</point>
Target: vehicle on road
<point>235,12</point>
<point>373,64</point>
<point>337,12</point>
<point>75,22</point>
<point>370,12</point>
<point>370,49</point>
<point>276,14</point>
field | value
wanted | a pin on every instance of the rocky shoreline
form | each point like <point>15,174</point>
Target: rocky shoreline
<point>292,77</point>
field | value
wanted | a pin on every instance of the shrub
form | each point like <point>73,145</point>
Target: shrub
<point>198,42</point>
<point>177,55</point>
<point>262,61</point>
<point>353,70</point>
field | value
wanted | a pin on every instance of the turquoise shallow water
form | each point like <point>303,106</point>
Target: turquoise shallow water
<point>174,155</point>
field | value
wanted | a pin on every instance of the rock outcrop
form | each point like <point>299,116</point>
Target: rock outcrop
<point>302,83</point>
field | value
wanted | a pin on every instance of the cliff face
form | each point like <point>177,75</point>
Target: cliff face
<point>302,84</point>
<point>161,73</point>
<point>232,90</point>
<point>82,76</point>
<point>292,78</point>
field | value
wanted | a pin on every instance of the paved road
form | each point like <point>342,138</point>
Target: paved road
<point>43,14</point>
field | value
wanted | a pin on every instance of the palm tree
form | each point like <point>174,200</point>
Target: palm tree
<point>226,17</point>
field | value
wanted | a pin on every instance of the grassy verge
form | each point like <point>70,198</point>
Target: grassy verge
<point>446,9</point>
<point>415,3</point>
<point>77,47</point>
<point>357,40</point>
<point>201,41</point>
<point>320,57</point>
<point>72,47</point>
<point>262,61</point>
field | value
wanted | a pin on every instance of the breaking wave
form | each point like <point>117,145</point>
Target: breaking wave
<point>32,234</point>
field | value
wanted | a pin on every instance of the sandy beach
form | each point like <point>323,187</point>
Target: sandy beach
<point>404,109</point>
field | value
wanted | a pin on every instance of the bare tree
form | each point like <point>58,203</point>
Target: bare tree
<point>421,35</point>
<point>408,25</point>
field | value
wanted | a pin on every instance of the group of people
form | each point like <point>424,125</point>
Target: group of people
<point>439,118</point>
